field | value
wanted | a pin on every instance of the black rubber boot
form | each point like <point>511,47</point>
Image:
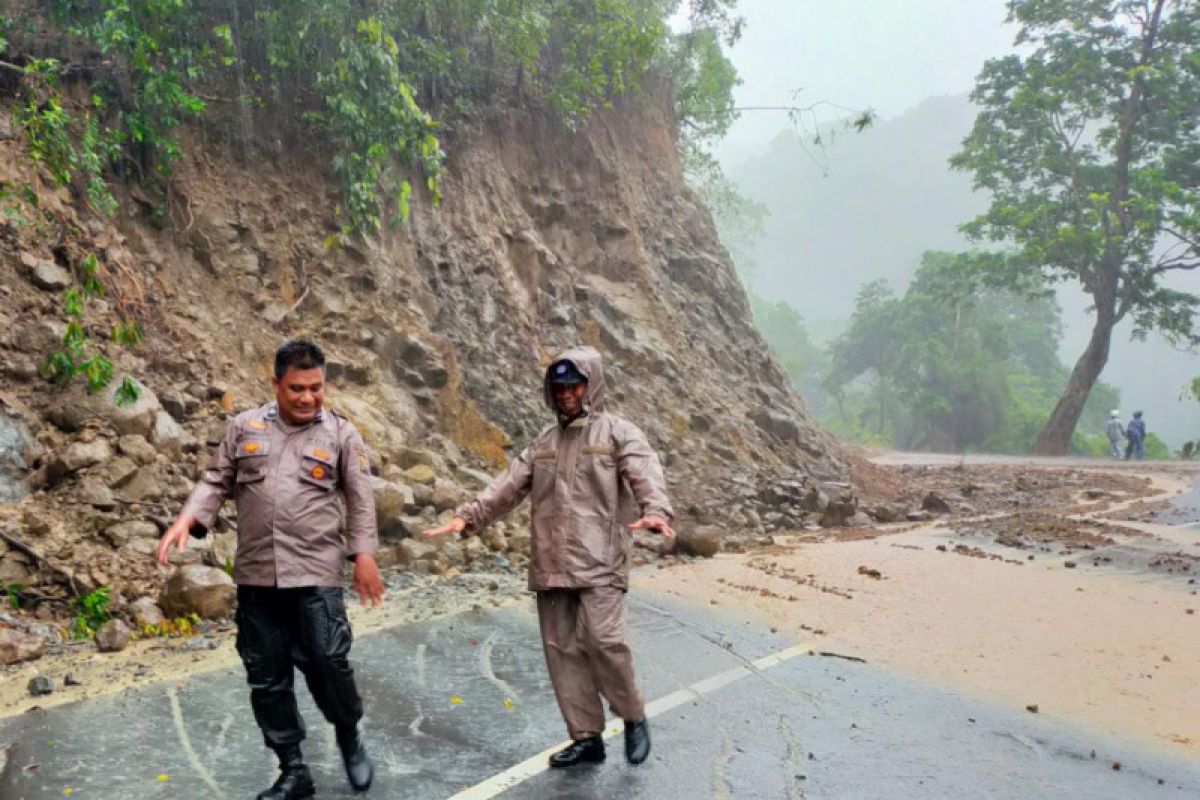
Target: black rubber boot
<point>359,769</point>
<point>295,782</point>
<point>637,741</point>
<point>579,752</point>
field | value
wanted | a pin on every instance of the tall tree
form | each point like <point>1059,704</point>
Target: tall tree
<point>1089,144</point>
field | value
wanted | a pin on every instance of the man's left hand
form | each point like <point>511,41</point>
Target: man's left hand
<point>653,522</point>
<point>367,583</point>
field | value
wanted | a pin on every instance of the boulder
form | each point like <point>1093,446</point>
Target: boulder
<point>415,362</point>
<point>118,471</point>
<point>814,500</point>
<point>422,497</point>
<point>137,448</point>
<point>406,457</point>
<point>352,371</point>
<point>839,513</point>
<point>124,532</point>
<point>474,548</point>
<point>146,484</point>
<point>175,404</point>
<point>39,686</point>
<point>112,636</point>
<point>391,502</point>
<point>703,540</point>
<point>887,512</point>
<point>77,405</point>
<point>446,496</point>
<point>13,441</point>
<point>222,549</point>
<point>169,436</point>
<point>496,541</point>
<point>45,274</point>
<point>784,493</point>
<point>95,494</point>
<point>16,567</point>
<point>414,550</point>
<point>934,504</point>
<point>80,455</point>
<point>454,553</point>
<point>776,424</point>
<point>17,645</point>
<point>197,589</point>
<point>145,611</point>
<point>422,474</point>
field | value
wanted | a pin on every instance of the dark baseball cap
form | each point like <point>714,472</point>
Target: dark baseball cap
<point>565,373</point>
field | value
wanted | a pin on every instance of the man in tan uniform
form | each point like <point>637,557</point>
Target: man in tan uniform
<point>288,465</point>
<point>579,472</point>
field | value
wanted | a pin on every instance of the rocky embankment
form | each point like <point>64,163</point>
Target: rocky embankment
<point>437,332</point>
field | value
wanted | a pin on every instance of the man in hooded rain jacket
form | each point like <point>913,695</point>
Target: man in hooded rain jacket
<point>578,473</point>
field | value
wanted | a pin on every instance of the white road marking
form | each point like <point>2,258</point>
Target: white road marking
<point>536,765</point>
<point>193,758</point>
<point>485,667</point>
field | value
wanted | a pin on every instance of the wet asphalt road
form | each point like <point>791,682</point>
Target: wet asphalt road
<point>438,723</point>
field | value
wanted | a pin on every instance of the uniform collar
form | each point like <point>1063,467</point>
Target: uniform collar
<point>273,414</point>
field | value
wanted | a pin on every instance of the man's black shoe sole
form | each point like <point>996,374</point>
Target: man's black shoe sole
<point>577,763</point>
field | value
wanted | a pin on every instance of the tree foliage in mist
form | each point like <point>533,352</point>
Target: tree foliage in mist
<point>953,364</point>
<point>1089,146</point>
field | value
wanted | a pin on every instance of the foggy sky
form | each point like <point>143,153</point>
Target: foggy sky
<point>890,55</point>
<point>882,54</point>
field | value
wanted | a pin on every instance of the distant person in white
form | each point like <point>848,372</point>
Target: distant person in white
<point>1116,432</point>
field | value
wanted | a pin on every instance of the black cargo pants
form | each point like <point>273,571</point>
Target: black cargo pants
<point>282,629</point>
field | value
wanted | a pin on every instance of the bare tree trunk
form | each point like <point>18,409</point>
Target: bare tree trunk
<point>1055,437</point>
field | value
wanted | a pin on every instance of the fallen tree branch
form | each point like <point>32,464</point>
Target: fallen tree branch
<point>828,654</point>
<point>13,541</point>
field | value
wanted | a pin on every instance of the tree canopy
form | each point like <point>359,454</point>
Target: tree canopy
<point>377,81</point>
<point>1089,146</point>
<point>953,364</point>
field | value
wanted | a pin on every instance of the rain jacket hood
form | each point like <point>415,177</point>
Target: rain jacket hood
<point>587,360</point>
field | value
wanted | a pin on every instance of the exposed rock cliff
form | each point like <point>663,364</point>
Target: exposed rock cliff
<point>438,334</point>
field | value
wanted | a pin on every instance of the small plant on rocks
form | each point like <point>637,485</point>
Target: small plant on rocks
<point>91,611</point>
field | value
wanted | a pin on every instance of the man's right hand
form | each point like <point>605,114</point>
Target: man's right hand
<point>456,525</point>
<point>178,535</point>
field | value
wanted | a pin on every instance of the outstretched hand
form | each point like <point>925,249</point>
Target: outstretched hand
<point>177,535</point>
<point>456,525</point>
<point>653,522</point>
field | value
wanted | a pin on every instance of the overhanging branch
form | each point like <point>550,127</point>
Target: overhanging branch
<point>1174,265</point>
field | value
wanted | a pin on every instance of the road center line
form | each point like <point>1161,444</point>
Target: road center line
<point>537,764</point>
